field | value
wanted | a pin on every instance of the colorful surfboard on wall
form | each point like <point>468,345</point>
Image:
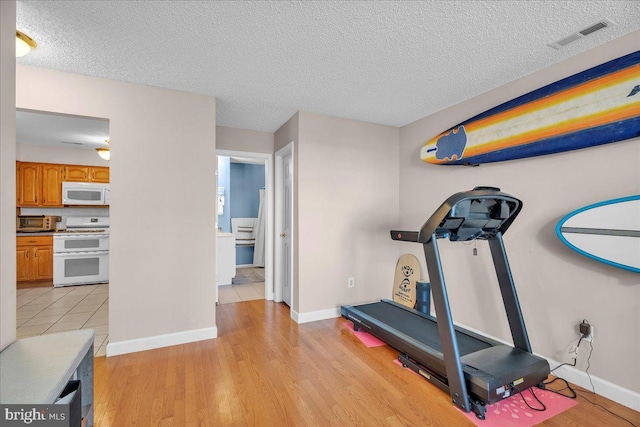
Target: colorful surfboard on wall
<point>608,232</point>
<point>597,106</point>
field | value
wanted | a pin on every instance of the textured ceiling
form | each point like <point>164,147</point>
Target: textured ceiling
<point>383,62</point>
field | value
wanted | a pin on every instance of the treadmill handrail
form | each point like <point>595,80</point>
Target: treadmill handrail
<point>509,294</point>
<point>448,342</point>
<point>405,236</point>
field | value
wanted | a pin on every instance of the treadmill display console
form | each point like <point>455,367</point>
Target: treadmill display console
<point>477,214</point>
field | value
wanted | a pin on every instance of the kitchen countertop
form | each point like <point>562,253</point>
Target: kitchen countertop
<point>53,233</point>
<point>38,233</point>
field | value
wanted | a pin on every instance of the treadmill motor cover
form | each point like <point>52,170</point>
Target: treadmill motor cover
<point>502,371</point>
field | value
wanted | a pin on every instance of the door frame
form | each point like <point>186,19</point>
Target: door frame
<point>279,209</point>
<point>268,243</point>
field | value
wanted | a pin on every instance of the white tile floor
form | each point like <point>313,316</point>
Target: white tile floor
<point>237,293</point>
<point>43,311</point>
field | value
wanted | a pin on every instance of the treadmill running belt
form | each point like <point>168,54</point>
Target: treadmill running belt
<point>418,327</point>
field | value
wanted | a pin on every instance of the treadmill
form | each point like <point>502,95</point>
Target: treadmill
<point>473,369</point>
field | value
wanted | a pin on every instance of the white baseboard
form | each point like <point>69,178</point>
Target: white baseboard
<point>159,341</point>
<point>313,316</point>
<point>621,395</point>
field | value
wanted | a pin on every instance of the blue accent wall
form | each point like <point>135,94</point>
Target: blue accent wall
<point>224,180</point>
<point>246,181</point>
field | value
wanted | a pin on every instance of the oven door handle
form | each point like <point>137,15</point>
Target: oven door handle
<point>82,253</point>
<point>80,236</point>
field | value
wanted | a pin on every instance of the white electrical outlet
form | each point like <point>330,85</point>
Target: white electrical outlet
<point>351,282</point>
<point>573,351</point>
<point>589,338</point>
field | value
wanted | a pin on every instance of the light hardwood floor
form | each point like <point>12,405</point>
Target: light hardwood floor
<point>265,370</point>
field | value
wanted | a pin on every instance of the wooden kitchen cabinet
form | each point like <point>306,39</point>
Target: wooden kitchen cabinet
<point>22,261</point>
<point>43,265</point>
<point>79,173</point>
<point>100,174</point>
<point>52,175</point>
<point>28,184</point>
<point>34,258</point>
<point>39,184</point>
<point>76,173</point>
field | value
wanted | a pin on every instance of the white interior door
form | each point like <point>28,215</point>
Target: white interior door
<point>286,227</point>
<point>216,232</point>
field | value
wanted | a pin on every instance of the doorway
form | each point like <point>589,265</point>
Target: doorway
<point>54,150</point>
<point>244,256</point>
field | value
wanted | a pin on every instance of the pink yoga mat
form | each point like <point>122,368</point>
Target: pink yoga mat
<point>366,338</point>
<point>513,412</point>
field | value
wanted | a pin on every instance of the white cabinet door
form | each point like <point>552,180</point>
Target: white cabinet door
<point>225,259</point>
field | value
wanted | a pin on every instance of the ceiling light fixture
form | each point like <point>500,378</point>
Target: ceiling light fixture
<point>24,44</point>
<point>104,152</point>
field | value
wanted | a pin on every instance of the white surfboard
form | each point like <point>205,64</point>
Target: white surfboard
<point>608,232</point>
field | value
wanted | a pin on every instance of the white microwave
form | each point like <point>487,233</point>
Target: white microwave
<point>85,193</point>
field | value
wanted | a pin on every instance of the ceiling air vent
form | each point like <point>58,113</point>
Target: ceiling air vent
<point>565,41</point>
<point>581,34</point>
<point>592,29</point>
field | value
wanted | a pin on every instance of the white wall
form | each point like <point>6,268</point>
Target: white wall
<point>7,173</point>
<point>63,155</point>
<point>347,189</point>
<point>162,263</point>
<point>244,140</point>
<point>557,287</point>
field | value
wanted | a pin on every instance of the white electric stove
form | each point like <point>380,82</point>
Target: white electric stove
<point>81,252</point>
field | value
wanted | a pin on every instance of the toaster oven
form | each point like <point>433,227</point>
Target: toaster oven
<point>35,223</point>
